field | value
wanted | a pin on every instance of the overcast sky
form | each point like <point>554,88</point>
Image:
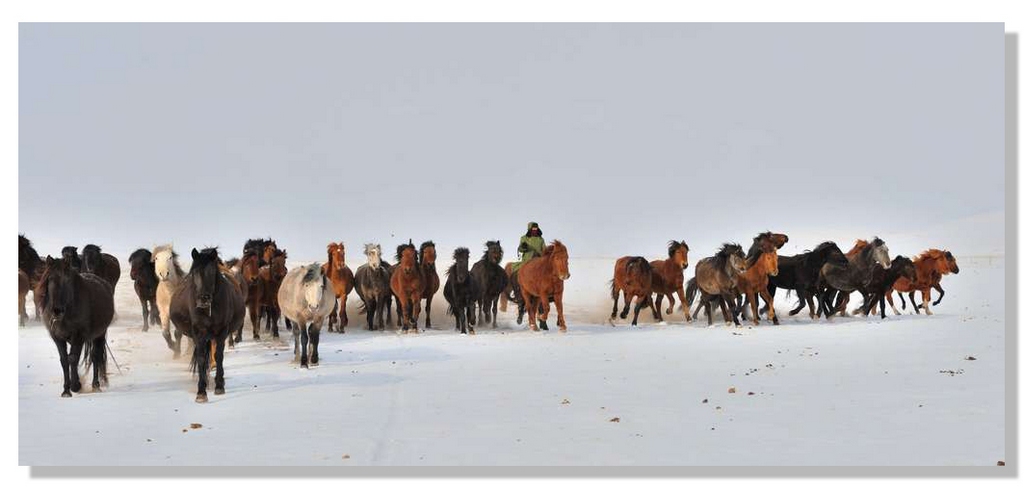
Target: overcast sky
<point>616,138</point>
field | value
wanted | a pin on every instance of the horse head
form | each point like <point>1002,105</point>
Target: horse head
<point>60,277</point>
<point>428,254</point>
<point>461,266</point>
<point>405,255</point>
<point>950,262</point>
<point>678,252</point>
<point>372,252</point>
<point>769,256</point>
<point>314,286</point>
<point>139,259</point>
<point>336,255</point>
<point>204,272</point>
<point>164,262</point>
<point>70,255</point>
<point>91,258</point>
<point>880,253</point>
<point>560,258</point>
<point>494,252</point>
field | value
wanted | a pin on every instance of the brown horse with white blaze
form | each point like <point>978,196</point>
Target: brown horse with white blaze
<point>342,281</point>
<point>762,262</point>
<point>633,278</point>
<point>544,277</point>
<point>667,277</point>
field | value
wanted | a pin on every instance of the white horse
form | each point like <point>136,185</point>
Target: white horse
<point>306,297</point>
<point>170,274</point>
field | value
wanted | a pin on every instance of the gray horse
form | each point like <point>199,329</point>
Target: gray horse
<point>842,279</point>
<point>373,286</point>
<point>306,298</point>
<point>717,276</point>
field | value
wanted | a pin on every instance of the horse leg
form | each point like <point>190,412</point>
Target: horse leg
<point>528,301</point>
<point>753,305</point>
<point>732,309</point>
<point>543,308</point>
<point>493,302</point>
<point>615,304</point>
<point>625,308</point>
<point>218,358</point>
<point>655,310</point>
<point>62,350</point>
<point>926,299</point>
<point>331,317</point>
<point>277,317</point>
<point>342,313</point>
<point>888,298</point>
<point>314,343</point>
<point>427,311</point>
<point>799,307</point>
<point>942,293</point>
<point>917,309</point>
<point>636,309</point>
<point>416,313</point>
<point>98,360</point>
<point>201,354</point>
<point>145,315</point>
<point>176,346</point>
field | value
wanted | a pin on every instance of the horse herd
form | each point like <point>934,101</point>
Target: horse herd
<point>209,303</point>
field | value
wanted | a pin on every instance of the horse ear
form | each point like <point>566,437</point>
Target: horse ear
<point>195,253</point>
<point>49,260</point>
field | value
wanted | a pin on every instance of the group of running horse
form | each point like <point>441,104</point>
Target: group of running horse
<point>822,278</point>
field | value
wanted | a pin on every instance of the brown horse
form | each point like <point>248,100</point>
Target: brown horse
<point>251,275</point>
<point>667,277</point>
<point>23,288</point>
<point>762,262</point>
<point>428,273</point>
<point>267,286</point>
<point>507,291</point>
<point>633,277</point>
<point>407,286</point>
<point>342,279</point>
<point>544,277</point>
<point>929,268</point>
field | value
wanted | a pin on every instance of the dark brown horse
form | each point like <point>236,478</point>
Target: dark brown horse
<point>407,286</point>
<point>30,263</point>
<point>268,283</point>
<point>343,280</point>
<point>77,309</point>
<point>207,308</point>
<point>762,263</point>
<point>633,278</point>
<point>667,277</point>
<point>541,278</point>
<point>428,273</point>
<point>489,280</point>
<point>103,264</point>
<point>143,274</point>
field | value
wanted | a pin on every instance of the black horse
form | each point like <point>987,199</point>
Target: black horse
<point>70,255</point>
<point>30,263</point>
<point>257,247</point>
<point>460,290</point>
<point>207,308</point>
<point>143,273</point>
<point>77,309</point>
<point>490,280</point>
<point>95,261</point>
<point>882,281</point>
<point>800,273</point>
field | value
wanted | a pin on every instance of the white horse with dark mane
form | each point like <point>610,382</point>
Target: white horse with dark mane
<point>306,297</point>
<point>170,274</point>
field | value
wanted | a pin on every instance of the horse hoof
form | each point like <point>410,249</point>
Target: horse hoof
<point>201,398</point>
<point>304,365</point>
<point>65,394</point>
<point>218,391</point>
<point>562,329</point>
<point>96,387</point>
<point>76,387</point>
<point>534,328</point>
<point>145,328</point>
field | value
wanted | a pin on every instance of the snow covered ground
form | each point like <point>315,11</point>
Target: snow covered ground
<point>847,392</point>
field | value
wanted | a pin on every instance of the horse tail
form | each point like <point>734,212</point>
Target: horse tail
<point>362,308</point>
<point>691,290</point>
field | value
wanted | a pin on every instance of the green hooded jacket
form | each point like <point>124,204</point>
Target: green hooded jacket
<point>530,246</point>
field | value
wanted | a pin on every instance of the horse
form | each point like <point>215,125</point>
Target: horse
<point>762,263</point>
<point>882,281</point>
<point>342,281</point>
<point>258,247</point>
<point>70,255</point>
<point>407,286</point>
<point>77,309</point>
<point>801,272</point>
<point>143,273</point>
<point>23,287</point>
<point>716,278</point>
<point>103,264</point>
<point>170,275</point>
<point>306,296</point>
<point>207,308</point>
<point>373,286</point>
<point>856,275</point>
<point>268,283</point>
<point>929,266</point>
<point>667,278</point>
<point>30,263</point>
<point>461,290</point>
<point>250,268</point>
<point>632,276</point>
<point>490,280</point>
<point>428,274</point>
<point>541,278</point>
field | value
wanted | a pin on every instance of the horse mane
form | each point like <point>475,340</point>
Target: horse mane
<point>857,247</point>
<point>425,245</point>
<point>32,255</point>
<point>401,248</point>
<point>868,249</point>
<point>549,249</point>
<point>757,248</point>
<point>311,271</point>
<point>140,253</point>
<point>91,248</point>
<point>724,252</point>
<point>455,255</point>
<point>231,263</point>
<point>369,246</point>
<point>931,254</point>
<point>674,245</point>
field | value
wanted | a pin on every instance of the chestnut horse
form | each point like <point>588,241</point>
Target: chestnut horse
<point>544,277</point>
<point>633,277</point>
<point>929,268</point>
<point>342,279</point>
<point>407,286</point>
<point>667,277</point>
<point>268,284</point>
<point>428,272</point>
<point>762,262</point>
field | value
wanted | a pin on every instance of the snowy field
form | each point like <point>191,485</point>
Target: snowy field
<point>897,392</point>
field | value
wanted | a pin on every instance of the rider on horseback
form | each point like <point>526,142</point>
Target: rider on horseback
<point>531,245</point>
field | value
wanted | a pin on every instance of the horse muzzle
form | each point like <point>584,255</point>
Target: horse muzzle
<point>564,277</point>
